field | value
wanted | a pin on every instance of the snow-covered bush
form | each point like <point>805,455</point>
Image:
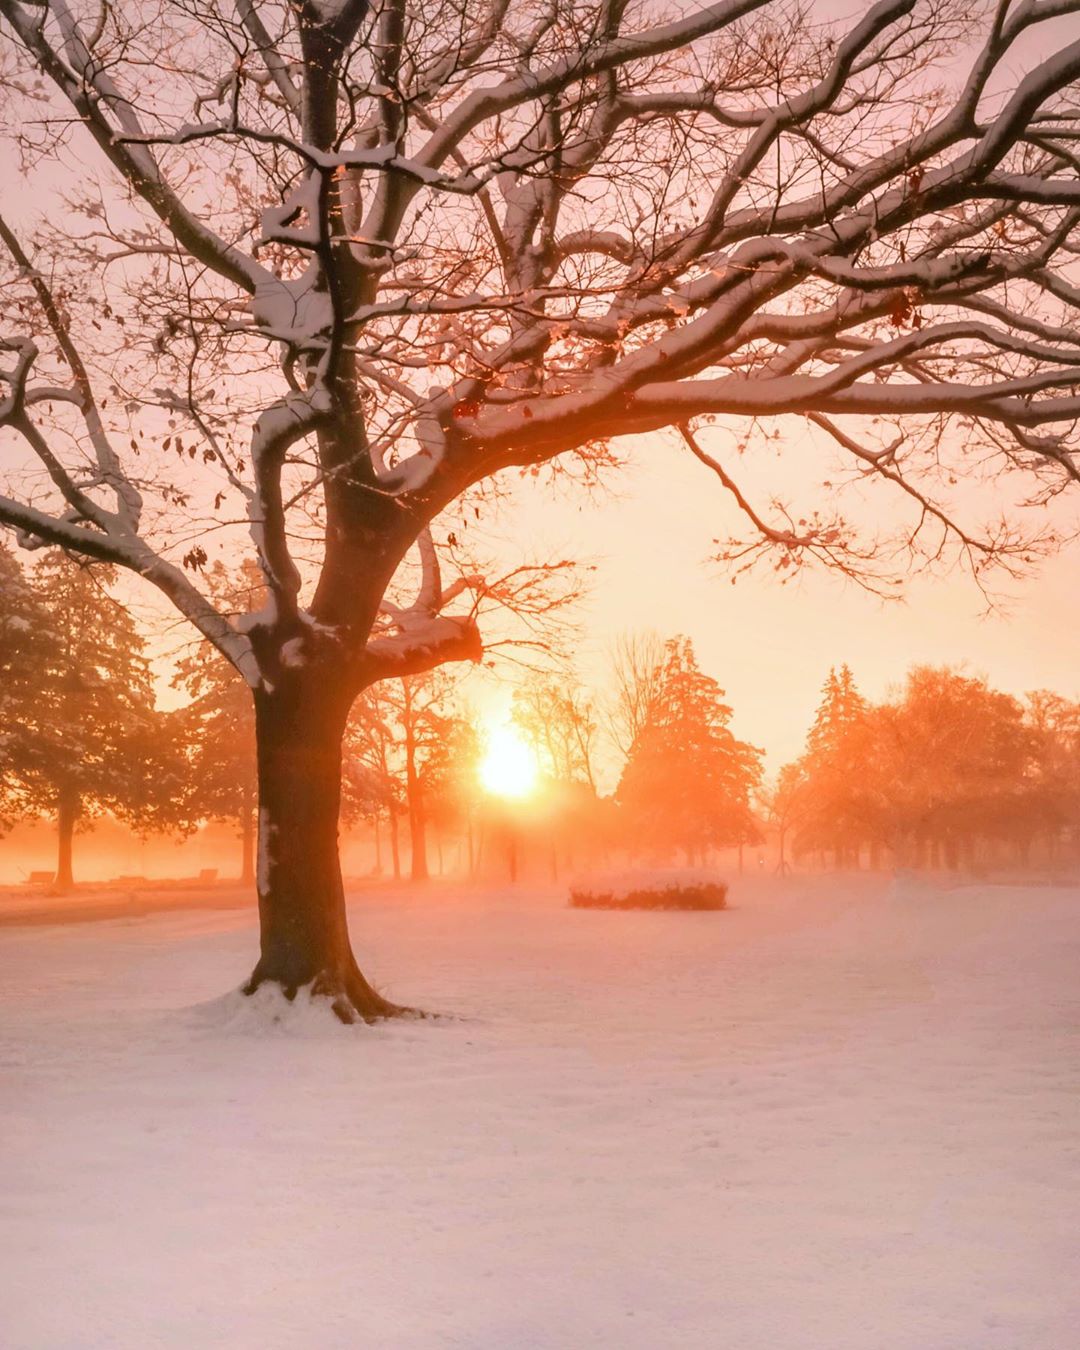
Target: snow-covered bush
<point>650,890</point>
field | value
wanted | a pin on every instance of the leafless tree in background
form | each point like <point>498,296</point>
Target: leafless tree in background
<point>323,268</point>
<point>637,665</point>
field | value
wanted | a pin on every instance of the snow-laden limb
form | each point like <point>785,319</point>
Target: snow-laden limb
<point>110,471</point>
<point>418,637</point>
<point>108,115</point>
<point>277,428</point>
<point>296,312</point>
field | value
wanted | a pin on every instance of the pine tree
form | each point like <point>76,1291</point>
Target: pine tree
<point>842,708</point>
<point>23,635</point>
<point>839,813</point>
<point>687,780</point>
<point>91,740</point>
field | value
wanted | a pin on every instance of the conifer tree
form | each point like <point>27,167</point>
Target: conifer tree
<point>841,709</point>
<point>687,780</point>
<point>91,739</point>
<point>839,814</point>
<point>23,634</point>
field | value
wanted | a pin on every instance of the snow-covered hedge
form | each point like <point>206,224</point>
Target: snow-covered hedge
<point>650,890</point>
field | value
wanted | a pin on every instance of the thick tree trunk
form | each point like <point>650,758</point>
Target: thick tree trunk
<point>304,936</point>
<point>67,813</point>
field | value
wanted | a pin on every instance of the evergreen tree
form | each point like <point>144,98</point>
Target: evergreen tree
<point>91,740</point>
<point>840,810</point>
<point>841,710</point>
<point>24,633</point>
<point>687,780</point>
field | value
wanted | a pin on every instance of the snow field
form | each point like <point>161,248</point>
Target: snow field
<point>840,1114</point>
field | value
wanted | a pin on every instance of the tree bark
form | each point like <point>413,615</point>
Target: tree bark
<point>304,937</point>
<point>67,813</point>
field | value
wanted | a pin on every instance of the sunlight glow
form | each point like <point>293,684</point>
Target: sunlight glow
<point>509,767</point>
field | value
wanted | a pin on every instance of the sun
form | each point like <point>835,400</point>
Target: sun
<point>509,767</point>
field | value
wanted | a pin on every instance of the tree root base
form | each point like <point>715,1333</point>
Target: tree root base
<point>350,997</point>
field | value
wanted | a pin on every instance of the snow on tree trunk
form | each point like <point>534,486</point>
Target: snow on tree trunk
<point>304,937</point>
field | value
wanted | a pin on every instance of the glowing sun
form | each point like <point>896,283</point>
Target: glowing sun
<point>509,767</point>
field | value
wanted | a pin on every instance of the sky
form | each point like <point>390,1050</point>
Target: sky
<point>650,533</point>
<point>770,645</point>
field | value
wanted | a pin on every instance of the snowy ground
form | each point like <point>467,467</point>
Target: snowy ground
<point>838,1116</point>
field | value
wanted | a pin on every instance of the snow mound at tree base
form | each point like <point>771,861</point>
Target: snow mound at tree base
<point>267,1012</point>
<point>673,889</point>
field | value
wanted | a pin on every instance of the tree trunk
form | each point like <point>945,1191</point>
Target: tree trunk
<point>395,843</point>
<point>304,937</point>
<point>67,813</point>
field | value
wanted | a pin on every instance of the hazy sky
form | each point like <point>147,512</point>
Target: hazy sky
<point>771,645</point>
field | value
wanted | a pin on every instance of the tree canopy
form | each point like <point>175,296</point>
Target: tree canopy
<point>687,780</point>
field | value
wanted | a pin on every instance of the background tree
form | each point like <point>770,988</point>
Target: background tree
<point>407,734</point>
<point>959,761</point>
<point>372,772</point>
<point>687,781</point>
<point>946,766</point>
<point>839,811</point>
<point>24,639</point>
<point>1055,790</point>
<point>450,783</point>
<point>788,803</point>
<point>637,661</point>
<point>218,723</point>
<point>439,245</point>
<point>91,738</point>
<point>559,722</point>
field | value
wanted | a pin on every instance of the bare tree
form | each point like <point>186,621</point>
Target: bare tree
<point>637,668</point>
<point>323,268</point>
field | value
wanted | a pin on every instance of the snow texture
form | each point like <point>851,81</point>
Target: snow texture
<point>293,311</point>
<point>842,1117</point>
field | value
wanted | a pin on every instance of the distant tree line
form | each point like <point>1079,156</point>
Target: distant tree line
<point>948,772</point>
